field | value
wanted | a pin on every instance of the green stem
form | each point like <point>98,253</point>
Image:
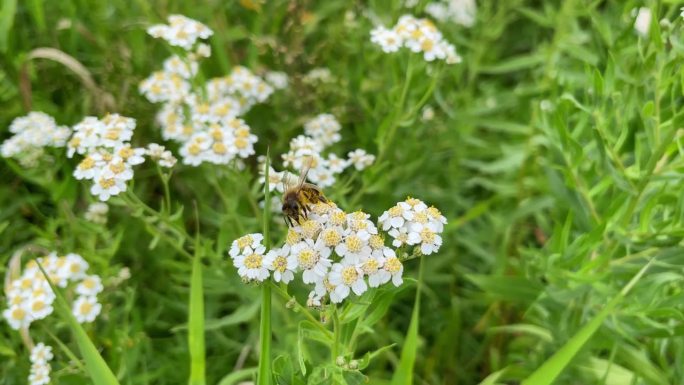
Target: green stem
<point>391,131</point>
<point>302,309</point>
<point>336,331</point>
<point>264,377</point>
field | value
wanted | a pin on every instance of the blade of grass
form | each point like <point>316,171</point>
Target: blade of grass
<point>7,12</point>
<point>547,373</point>
<point>404,373</point>
<point>196,319</point>
<point>95,365</point>
<point>264,377</point>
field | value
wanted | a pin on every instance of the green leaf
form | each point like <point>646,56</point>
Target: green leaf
<point>7,12</point>
<point>547,373</point>
<point>237,376</point>
<point>196,323</point>
<point>403,374</point>
<point>264,377</point>
<point>96,367</point>
<point>516,63</point>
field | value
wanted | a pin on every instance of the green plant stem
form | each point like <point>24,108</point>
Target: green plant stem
<point>166,208</point>
<point>264,377</point>
<point>302,309</point>
<point>336,330</point>
<point>398,107</point>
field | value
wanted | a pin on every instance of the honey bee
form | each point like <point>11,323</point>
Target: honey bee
<point>297,199</point>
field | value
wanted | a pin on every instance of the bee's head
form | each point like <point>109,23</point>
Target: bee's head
<point>290,207</point>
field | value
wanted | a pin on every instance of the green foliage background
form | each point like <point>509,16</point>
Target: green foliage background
<point>555,153</point>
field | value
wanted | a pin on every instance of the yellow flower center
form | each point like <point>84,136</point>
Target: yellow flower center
<point>338,218</point>
<point>331,237</point>
<point>253,261</point>
<point>412,201</point>
<point>117,168</point>
<point>75,268</point>
<point>354,243</point>
<point>18,314</point>
<point>292,237</point>
<point>427,45</point>
<point>37,305</point>
<point>86,307</point>
<point>113,134</point>
<point>307,259</point>
<point>370,266</point>
<point>392,265</point>
<point>219,148</point>
<point>310,228</point>
<point>395,211</point>
<point>125,152</point>
<point>245,241</point>
<point>86,164</point>
<point>241,143</point>
<point>376,242</point>
<point>434,212</point>
<point>349,275</point>
<point>421,217</point>
<point>242,132</point>
<point>194,149</point>
<point>280,263</point>
<point>427,236</point>
<point>107,182</point>
<point>89,283</point>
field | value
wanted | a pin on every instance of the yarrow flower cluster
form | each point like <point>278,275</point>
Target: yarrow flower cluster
<point>461,12</point>
<point>307,150</point>
<point>340,253</point>
<point>32,133</point>
<point>181,31</point>
<point>205,122</point>
<point>109,157</point>
<point>418,35</point>
<point>412,223</point>
<point>30,298</point>
<point>41,355</point>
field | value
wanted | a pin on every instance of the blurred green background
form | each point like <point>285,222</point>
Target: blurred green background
<point>555,153</point>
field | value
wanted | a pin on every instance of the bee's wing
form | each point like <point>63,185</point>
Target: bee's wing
<point>304,171</point>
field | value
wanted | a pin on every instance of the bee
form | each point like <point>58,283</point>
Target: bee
<point>297,199</point>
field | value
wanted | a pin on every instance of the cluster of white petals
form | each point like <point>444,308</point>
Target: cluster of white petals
<point>205,118</point>
<point>461,12</point>
<point>340,253</point>
<point>32,133</point>
<point>419,36</point>
<point>413,223</point>
<point>181,31</point>
<point>321,132</point>
<point>108,156</point>
<point>41,355</point>
<point>30,298</point>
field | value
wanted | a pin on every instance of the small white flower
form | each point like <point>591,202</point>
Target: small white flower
<point>312,258</point>
<point>91,285</point>
<point>74,267</point>
<point>361,159</point>
<point>251,264</point>
<point>392,269</point>
<point>252,241</point>
<point>86,309</point>
<point>642,23</point>
<point>17,317</point>
<point>388,39</point>
<point>283,267</point>
<point>39,307</point>
<point>41,354</point>
<point>354,248</point>
<point>346,277</point>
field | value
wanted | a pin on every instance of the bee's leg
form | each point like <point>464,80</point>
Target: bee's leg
<point>288,220</point>
<point>305,211</point>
